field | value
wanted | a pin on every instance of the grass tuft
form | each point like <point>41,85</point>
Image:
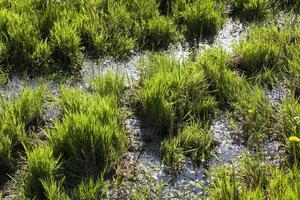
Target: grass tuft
<point>171,93</point>
<point>192,142</point>
<point>41,166</point>
<point>91,136</point>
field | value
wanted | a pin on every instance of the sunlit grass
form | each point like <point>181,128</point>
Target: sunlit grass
<point>172,93</point>
<point>18,118</point>
<point>91,137</point>
<point>254,181</point>
<point>235,92</point>
<point>42,165</point>
<point>192,142</point>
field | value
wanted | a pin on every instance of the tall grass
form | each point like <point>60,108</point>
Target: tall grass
<point>91,189</point>
<point>42,37</point>
<point>290,111</point>
<point>228,183</point>
<point>192,142</point>
<point>6,159</point>
<point>293,71</point>
<point>54,190</point>
<point>18,118</point>
<point>250,9</point>
<point>235,92</point>
<point>159,33</point>
<point>41,166</point>
<point>172,93</point>
<point>91,137</point>
<point>66,45</point>
<point>110,83</point>
<point>200,19</point>
<point>267,48</point>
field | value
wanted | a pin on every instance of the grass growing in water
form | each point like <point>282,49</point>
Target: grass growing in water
<point>235,92</point>
<point>272,183</point>
<point>200,19</point>
<point>19,118</point>
<point>44,37</point>
<point>42,165</point>
<point>171,93</point>
<point>268,48</point>
<point>250,9</point>
<point>91,136</point>
<point>192,142</point>
<point>110,83</point>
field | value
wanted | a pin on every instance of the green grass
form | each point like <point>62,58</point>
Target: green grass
<point>91,189</point>
<point>6,159</point>
<point>66,45</point>
<point>267,48</point>
<point>293,72</point>
<point>110,83</point>
<point>172,93</point>
<point>290,111</point>
<point>250,9</point>
<point>53,189</point>
<point>42,165</point>
<point>200,19</point>
<point>87,141</point>
<point>192,142</point>
<point>233,91</point>
<point>91,136</point>
<point>159,33</point>
<point>269,182</point>
<point>44,37</point>
<point>18,119</point>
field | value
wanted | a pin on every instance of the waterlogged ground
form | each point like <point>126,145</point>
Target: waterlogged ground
<point>142,167</point>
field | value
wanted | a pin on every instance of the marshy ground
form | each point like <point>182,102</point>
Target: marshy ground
<point>149,99</point>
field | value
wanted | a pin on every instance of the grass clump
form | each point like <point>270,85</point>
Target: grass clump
<point>91,189</point>
<point>271,183</point>
<point>259,117</point>
<point>19,118</point>
<point>225,83</point>
<point>260,50</point>
<point>235,92</point>
<point>66,45</point>
<point>91,137</point>
<point>290,111</point>
<point>250,9</point>
<point>172,154</point>
<point>86,145</point>
<point>171,93</point>
<point>192,142</point>
<point>110,83</point>
<point>110,32</point>
<point>6,160</point>
<point>54,190</point>
<point>42,165</point>
<point>293,72</point>
<point>160,32</point>
<point>200,19</point>
<point>43,37</point>
<point>268,48</point>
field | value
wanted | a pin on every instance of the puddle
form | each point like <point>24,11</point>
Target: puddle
<point>92,68</point>
<point>231,33</point>
<point>277,94</point>
<point>227,150</point>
